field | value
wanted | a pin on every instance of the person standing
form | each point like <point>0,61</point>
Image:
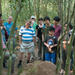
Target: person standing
<point>26,41</point>
<point>45,32</point>
<point>57,26</point>
<point>51,46</point>
<point>39,35</point>
<point>8,25</point>
<point>33,22</point>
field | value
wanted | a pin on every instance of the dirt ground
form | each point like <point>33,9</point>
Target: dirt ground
<point>35,68</point>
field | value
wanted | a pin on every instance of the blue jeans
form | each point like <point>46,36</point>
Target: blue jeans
<point>50,57</point>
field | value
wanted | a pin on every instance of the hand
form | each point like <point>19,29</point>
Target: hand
<point>50,49</point>
<point>1,27</point>
<point>17,47</point>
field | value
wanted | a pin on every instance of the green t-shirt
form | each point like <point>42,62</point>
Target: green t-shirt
<point>34,26</point>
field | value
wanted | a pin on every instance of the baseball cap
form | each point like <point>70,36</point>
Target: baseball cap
<point>10,17</point>
<point>33,17</point>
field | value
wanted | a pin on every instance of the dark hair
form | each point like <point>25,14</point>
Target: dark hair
<point>51,28</point>
<point>70,26</point>
<point>0,15</point>
<point>40,19</point>
<point>47,18</point>
<point>56,18</point>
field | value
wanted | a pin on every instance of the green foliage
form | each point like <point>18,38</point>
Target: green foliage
<point>9,7</point>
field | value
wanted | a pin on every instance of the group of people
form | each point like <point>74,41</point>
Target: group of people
<point>5,33</point>
<point>44,35</point>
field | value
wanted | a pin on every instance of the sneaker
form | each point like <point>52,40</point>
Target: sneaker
<point>62,71</point>
<point>19,64</point>
<point>5,66</point>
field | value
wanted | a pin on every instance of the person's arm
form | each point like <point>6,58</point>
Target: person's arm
<point>43,35</point>
<point>20,39</point>
<point>54,46</point>
<point>37,31</point>
<point>46,44</point>
<point>34,37</point>
<point>20,36</point>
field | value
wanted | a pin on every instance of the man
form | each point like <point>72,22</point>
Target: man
<point>57,26</point>
<point>33,23</point>
<point>45,32</point>
<point>8,25</point>
<point>26,41</point>
<point>46,26</point>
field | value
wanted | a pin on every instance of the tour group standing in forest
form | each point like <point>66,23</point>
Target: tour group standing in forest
<point>44,35</point>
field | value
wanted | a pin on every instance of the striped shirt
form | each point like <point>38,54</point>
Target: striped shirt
<point>27,34</point>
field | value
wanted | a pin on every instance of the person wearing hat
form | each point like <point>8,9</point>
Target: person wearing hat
<point>26,42</point>
<point>57,26</point>
<point>33,23</point>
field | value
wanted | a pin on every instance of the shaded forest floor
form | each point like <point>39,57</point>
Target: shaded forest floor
<point>35,68</point>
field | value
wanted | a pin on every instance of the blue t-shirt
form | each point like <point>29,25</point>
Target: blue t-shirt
<point>8,27</point>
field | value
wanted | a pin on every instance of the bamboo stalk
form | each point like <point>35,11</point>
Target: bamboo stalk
<point>0,7</point>
<point>74,51</point>
<point>1,53</point>
<point>10,44</point>
<point>69,48</point>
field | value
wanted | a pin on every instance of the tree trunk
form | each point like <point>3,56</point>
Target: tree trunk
<point>60,10</point>
<point>1,53</point>
<point>64,13</point>
<point>0,7</point>
<point>68,10</point>
<point>30,8</point>
<point>38,10</point>
<point>11,37</point>
<point>74,50</point>
<point>35,7</point>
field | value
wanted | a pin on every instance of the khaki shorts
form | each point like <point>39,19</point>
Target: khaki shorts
<point>27,47</point>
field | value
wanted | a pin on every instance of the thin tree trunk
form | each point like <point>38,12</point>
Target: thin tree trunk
<point>1,50</point>
<point>60,10</point>
<point>74,50</point>
<point>35,7</point>
<point>38,10</point>
<point>0,7</point>
<point>64,14</point>
<point>69,49</point>
<point>1,53</point>
<point>73,13</point>
<point>46,3</point>
<point>68,10</point>
<point>30,8</point>
<point>11,37</point>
